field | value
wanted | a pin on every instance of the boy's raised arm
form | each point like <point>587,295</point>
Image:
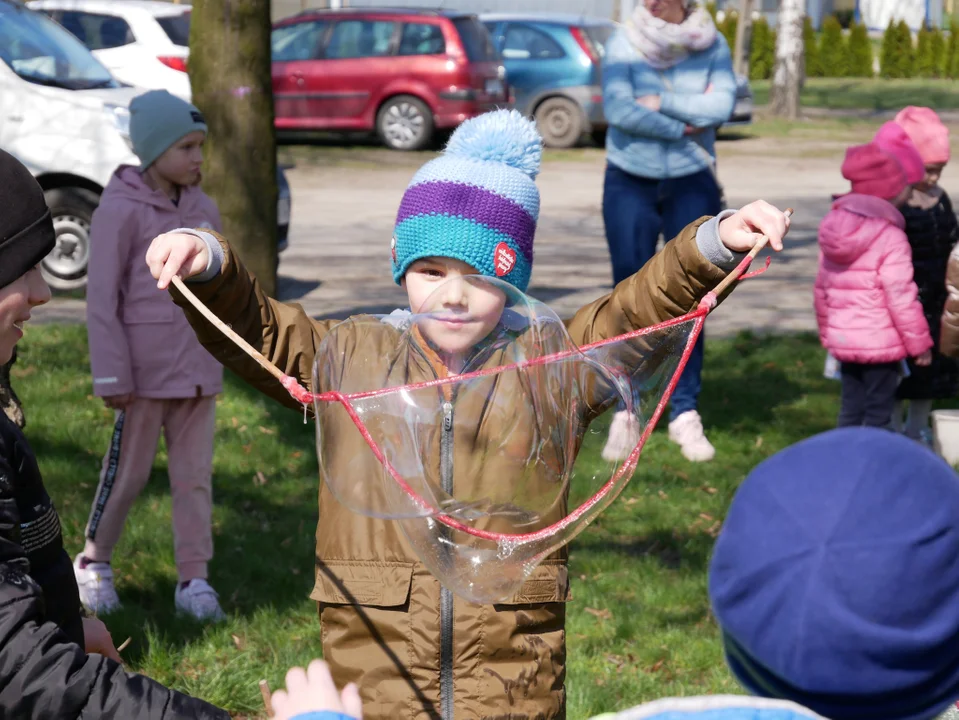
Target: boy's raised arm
<point>677,278</point>
<point>282,332</point>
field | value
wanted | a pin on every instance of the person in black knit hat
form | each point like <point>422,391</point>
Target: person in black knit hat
<point>45,671</point>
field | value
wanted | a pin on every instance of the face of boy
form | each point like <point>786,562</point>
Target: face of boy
<point>463,309</point>
<point>180,163</point>
<point>16,301</point>
<point>933,173</point>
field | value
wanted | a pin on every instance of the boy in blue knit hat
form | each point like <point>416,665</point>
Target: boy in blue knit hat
<point>835,580</point>
<point>414,650</point>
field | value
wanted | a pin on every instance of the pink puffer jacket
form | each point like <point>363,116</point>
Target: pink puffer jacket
<point>867,304</point>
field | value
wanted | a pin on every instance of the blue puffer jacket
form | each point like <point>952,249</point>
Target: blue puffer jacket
<point>653,144</point>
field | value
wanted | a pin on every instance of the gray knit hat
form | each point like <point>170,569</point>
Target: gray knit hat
<point>157,120</point>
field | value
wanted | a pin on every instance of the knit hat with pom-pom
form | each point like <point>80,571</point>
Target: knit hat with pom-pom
<point>477,202</point>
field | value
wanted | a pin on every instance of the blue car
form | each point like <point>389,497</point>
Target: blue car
<point>554,67</point>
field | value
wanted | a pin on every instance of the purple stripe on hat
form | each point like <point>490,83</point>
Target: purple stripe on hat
<point>473,203</point>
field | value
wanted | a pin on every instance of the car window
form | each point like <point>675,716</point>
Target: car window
<point>300,41</point>
<point>98,32</point>
<point>42,52</point>
<point>600,35</point>
<point>422,39</point>
<point>527,43</point>
<point>177,28</point>
<point>476,39</point>
<point>360,38</point>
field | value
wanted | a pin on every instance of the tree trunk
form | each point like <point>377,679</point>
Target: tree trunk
<point>230,76</point>
<point>744,28</point>
<point>8,398</point>
<point>787,76</point>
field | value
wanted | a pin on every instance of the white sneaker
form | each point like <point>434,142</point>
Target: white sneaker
<point>199,600</point>
<point>687,432</point>
<point>95,583</point>
<point>623,436</point>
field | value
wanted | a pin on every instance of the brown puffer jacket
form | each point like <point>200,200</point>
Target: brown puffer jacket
<point>415,650</point>
<point>949,331</point>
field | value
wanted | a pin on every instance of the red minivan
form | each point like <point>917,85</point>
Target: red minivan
<point>403,73</point>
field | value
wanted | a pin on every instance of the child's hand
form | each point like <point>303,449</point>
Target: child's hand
<point>313,690</point>
<point>924,360</point>
<point>97,639</point>
<point>650,102</point>
<point>741,231</point>
<point>119,402</point>
<point>176,254</point>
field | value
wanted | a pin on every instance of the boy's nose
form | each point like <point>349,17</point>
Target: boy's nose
<point>39,290</point>
<point>455,292</point>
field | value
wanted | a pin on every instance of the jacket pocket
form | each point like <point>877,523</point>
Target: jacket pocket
<point>374,584</point>
<point>548,583</point>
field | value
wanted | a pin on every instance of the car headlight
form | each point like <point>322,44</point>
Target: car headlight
<point>119,115</point>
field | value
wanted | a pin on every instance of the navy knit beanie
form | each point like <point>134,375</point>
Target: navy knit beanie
<point>835,579</point>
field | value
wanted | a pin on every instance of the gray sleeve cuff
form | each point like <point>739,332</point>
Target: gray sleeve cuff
<point>215,261</point>
<point>712,248</point>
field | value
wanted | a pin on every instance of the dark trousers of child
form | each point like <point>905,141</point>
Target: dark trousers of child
<point>868,394</point>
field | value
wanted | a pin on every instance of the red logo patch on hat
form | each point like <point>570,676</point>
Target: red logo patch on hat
<point>504,259</point>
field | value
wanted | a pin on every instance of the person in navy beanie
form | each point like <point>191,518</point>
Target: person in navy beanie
<point>835,579</point>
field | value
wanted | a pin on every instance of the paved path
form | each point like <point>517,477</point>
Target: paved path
<point>344,204</point>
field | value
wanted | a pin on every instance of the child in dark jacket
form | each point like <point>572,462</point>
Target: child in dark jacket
<point>932,231</point>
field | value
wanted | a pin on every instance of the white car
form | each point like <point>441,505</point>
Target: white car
<point>142,42</point>
<point>67,119</point>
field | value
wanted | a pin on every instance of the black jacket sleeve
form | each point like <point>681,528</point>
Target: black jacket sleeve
<point>45,676</point>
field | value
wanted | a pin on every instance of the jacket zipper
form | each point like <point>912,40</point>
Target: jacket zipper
<point>446,597</point>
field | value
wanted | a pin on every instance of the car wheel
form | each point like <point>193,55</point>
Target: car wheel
<point>560,122</point>
<point>405,123</point>
<point>65,268</point>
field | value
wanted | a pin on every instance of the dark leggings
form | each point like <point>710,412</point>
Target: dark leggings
<point>868,394</point>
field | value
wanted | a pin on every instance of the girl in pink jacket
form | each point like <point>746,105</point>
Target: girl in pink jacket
<point>147,363</point>
<point>867,304</point>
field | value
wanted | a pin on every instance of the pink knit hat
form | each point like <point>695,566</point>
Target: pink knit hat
<point>871,171</point>
<point>928,133</point>
<point>894,140</point>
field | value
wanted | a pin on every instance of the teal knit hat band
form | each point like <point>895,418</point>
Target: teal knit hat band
<point>477,202</point>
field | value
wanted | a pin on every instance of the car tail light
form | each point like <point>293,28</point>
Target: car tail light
<point>173,61</point>
<point>585,43</point>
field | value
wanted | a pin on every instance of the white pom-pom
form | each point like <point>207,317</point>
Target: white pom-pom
<point>501,136</point>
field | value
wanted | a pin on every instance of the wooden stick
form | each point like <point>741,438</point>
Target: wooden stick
<point>228,331</point>
<point>734,276</point>
<point>267,697</point>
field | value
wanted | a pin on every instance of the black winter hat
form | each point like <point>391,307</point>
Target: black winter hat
<point>26,226</point>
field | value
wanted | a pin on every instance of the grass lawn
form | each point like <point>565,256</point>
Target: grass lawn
<point>639,624</point>
<point>870,93</point>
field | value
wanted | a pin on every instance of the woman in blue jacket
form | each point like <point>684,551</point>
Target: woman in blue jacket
<point>668,83</point>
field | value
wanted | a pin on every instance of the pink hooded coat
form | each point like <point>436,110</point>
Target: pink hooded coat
<point>867,304</point>
<point>141,342</point>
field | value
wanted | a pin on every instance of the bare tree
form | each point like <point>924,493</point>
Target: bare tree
<point>230,76</point>
<point>788,73</point>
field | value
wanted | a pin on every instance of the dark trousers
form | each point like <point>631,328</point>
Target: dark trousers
<point>868,394</point>
<point>635,211</point>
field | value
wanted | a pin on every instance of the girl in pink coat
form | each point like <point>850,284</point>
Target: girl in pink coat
<point>147,363</point>
<point>867,304</point>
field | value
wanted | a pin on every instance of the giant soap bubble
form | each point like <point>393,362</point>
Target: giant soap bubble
<point>463,426</point>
